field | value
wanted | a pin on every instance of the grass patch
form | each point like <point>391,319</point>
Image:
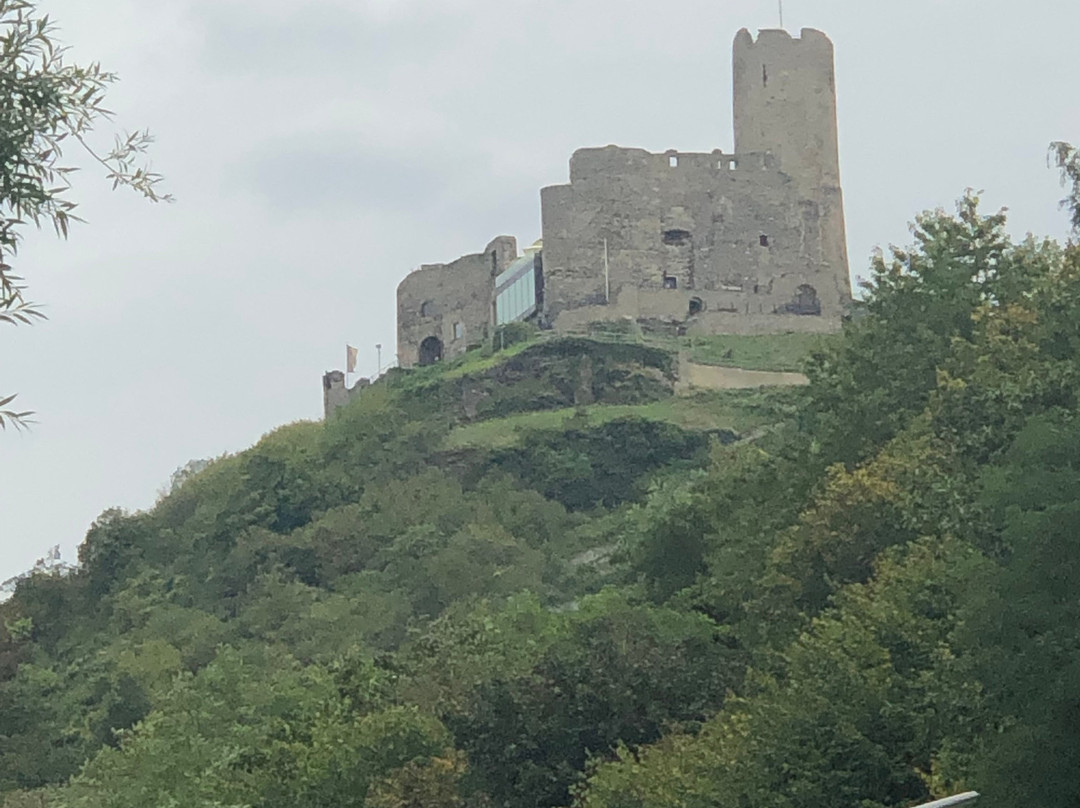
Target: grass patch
<point>479,360</point>
<point>474,361</point>
<point>779,352</point>
<point>737,410</point>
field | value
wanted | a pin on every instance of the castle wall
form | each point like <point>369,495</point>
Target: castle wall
<point>722,243</point>
<point>750,243</point>
<point>335,392</point>
<point>747,243</point>
<point>449,303</point>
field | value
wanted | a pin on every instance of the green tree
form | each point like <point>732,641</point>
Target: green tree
<point>1067,159</point>
<point>216,738</point>
<point>47,103</point>
<point>717,525</point>
<point>1023,622</point>
<point>871,695</point>
<point>603,465</point>
<point>615,673</point>
<point>433,782</point>
<point>865,391</point>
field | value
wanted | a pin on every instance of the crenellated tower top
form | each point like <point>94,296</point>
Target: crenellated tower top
<point>785,103</point>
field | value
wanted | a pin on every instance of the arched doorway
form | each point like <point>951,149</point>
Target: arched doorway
<point>430,351</point>
<point>805,301</point>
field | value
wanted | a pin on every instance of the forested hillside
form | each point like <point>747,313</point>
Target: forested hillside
<point>536,578</point>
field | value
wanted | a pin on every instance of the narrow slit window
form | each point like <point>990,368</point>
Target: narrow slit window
<point>459,331</point>
<point>673,161</point>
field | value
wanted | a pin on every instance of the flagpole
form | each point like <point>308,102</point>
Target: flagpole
<point>607,275</point>
<point>781,2</point>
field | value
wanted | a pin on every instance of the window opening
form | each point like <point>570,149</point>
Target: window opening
<point>676,238</point>
<point>671,282</point>
<point>763,240</point>
<point>673,160</point>
<point>428,309</point>
<point>697,305</point>
<point>459,331</point>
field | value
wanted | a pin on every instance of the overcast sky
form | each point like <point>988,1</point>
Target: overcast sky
<point>320,149</point>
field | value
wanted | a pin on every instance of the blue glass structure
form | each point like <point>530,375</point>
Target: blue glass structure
<point>515,291</point>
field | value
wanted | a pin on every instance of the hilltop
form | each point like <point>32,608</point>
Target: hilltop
<point>554,574</point>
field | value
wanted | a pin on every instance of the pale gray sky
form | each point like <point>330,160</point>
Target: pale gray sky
<point>320,149</point>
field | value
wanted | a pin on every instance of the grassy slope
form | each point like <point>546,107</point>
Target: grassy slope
<point>737,410</point>
<point>740,411</point>
<point>783,352</point>
<point>778,352</point>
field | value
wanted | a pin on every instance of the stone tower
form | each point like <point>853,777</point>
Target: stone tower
<point>785,104</point>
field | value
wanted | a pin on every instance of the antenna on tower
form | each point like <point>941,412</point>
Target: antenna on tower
<point>781,3</point>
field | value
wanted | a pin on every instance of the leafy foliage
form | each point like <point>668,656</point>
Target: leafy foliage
<point>869,601</point>
<point>1066,157</point>
<point>46,104</point>
<point>614,674</point>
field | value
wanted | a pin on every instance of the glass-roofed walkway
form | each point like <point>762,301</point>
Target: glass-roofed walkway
<point>515,291</point>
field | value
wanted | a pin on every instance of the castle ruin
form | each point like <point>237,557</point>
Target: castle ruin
<point>746,243</point>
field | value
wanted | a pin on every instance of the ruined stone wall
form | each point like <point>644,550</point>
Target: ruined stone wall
<point>450,304</point>
<point>747,243</point>
<point>336,394</point>
<point>721,243</point>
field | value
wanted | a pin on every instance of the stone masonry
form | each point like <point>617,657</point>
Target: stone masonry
<point>743,243</point>
<point>336,393</point>
<point>443,309</point>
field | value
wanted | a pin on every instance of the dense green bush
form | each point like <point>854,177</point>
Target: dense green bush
<point>605,465</point>
<point>872,601</point>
